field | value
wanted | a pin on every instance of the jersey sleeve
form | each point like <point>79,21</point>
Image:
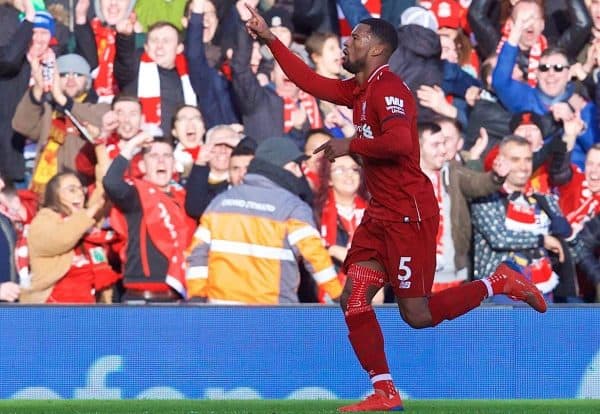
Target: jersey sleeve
<point>336,91</point>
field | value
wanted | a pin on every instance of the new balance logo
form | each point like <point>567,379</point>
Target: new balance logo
<point>394,105</point>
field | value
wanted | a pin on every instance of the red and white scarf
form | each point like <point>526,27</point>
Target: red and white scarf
<point>105,83</point>
<point>577,201</point>
<point>523,213</point>
<point>329,228</point>
<point>149,87</point>
<point>165,221</point>
<point>310,106</point>
<point>534,54</point>
<point>330,216</point>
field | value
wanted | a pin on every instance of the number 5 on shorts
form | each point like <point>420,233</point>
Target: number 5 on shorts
<point>404,272</point>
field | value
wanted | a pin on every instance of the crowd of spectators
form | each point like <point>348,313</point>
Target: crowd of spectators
<point>152,151</point>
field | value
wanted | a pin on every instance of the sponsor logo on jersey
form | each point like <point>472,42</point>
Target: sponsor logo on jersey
<point>394,105</point>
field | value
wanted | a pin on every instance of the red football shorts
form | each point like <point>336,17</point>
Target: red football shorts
<point>405,250</point>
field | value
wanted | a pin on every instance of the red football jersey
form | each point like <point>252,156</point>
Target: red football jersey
<point>385,118</point>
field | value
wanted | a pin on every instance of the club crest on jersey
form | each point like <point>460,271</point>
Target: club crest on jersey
<point>394,105</point>
<point>365,131</point>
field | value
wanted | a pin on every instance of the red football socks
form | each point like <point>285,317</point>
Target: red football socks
<point>456,301</point>
<point>367,340</point>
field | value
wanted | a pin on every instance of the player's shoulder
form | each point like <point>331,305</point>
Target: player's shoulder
<point>389,81</point>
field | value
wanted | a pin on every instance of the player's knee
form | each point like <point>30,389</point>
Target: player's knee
<point>415,317</point>
<point>415,321</point>
<point>365,282</point>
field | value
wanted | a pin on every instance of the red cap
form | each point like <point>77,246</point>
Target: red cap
<point>449,13</point>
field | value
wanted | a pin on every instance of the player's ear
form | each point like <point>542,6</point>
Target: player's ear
<point>377,50</point>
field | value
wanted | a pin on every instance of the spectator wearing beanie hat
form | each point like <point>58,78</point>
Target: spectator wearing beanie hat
<point>41,119</point>
<point>25,39</point>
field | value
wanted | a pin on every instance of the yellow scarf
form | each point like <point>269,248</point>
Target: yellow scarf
<point>47,165</point>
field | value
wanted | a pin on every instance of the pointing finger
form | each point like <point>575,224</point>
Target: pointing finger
<point>252,10</point>
<point>321,148</point>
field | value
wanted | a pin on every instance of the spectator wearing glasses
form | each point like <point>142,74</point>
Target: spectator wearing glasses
<point>339,207</point>
<point>67,252</point>
<point>554,93</point>
<point>41,117</point>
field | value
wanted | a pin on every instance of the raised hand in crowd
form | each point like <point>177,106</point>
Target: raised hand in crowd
<point>581,70</point>
<point>127,26</point>
<point>577,102</point>
<point>433,97</point>
<point>472,95</point>
<point>572,128</point>
<point>299,117</point>
<point>480,145</point>
<point>81,11</point>
<point>96,203</point>
<point>561,111</point>
<point>9,291</point>
<point>110,123</point>
<point>338,116</point>
<point>38,81</point>
<point>197,6</point>
<point>205,154</point>
<point>522,22</point>
<point>501,166</point>
<point>136,143</point>
<point>28,9</point>
<point>552,244</point>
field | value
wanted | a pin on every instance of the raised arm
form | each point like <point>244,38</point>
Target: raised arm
<point>332,90</point>
<point>485,30</point>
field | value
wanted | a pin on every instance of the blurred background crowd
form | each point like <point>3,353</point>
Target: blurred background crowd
<point>151,151</point>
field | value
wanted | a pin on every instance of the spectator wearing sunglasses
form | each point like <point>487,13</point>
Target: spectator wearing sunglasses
<point>54,139</point>
<point>554,93</point>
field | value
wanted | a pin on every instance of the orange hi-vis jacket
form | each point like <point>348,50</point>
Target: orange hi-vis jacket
<point>247,246</point>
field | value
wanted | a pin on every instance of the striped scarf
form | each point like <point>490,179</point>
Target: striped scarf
<point>310,106</point>
<point>149,88</point>
<point>105,83</point>
<point>534,54</point>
